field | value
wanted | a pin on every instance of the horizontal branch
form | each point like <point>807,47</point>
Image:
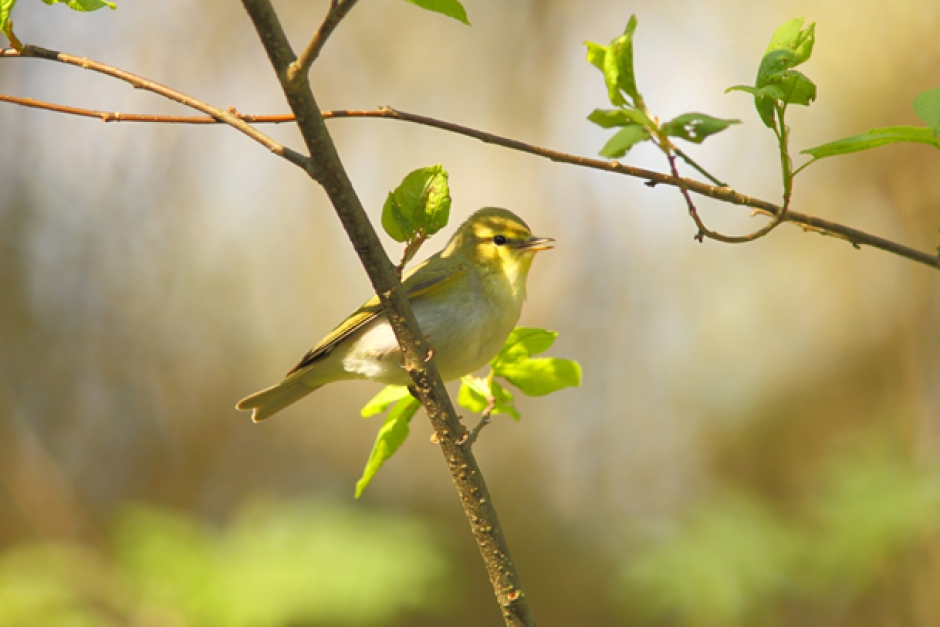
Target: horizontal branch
<point>854,236</point>
<point>139,82</point>
<point>117,116</point>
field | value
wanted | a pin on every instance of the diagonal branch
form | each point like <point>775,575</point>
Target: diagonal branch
<point>297,71</point>
<point>328,170</point>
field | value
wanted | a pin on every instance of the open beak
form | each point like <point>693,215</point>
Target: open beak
<point>536,244</point>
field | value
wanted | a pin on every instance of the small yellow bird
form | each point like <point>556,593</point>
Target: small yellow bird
<point>467,299</point>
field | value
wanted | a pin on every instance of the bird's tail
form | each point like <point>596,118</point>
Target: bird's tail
<point>268,402</point>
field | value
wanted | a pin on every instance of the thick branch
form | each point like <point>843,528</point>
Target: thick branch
<point>329,172</point>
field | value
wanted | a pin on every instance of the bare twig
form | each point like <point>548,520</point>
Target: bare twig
<point>327,170</point>
<point>139,82</point>
<point>411,248</point>
<point>698,168</point>
<point>297,71</point>
<point>485,419</point>
<point>117,116</point>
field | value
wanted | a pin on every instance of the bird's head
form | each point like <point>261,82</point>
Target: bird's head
<point>497,240</point>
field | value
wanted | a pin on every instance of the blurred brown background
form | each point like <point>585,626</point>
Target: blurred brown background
<point>758,434</point>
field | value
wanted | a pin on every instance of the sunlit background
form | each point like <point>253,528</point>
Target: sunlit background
<point>757,439</point>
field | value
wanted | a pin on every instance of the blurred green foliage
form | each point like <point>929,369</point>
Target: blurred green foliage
<point>275,563</point>
<point>736,561</point>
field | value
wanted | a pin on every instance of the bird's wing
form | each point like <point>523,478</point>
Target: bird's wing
<point>418,281</point>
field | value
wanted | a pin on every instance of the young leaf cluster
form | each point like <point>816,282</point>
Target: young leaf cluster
<point>615,61</point>
<point>778,84</point>
<point>417,209</point>
<point>533,376</point>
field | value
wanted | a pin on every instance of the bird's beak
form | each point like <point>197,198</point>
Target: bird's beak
<point>536,244</point>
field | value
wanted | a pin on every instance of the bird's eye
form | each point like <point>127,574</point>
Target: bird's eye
<point>499,240</point>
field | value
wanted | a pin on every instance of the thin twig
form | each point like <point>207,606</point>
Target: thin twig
<point>704,231</point>
<point>485,419</point>
<point>117,116</point>
<point>698,168</point>
<point>298,69</point>
<point>139,82</point>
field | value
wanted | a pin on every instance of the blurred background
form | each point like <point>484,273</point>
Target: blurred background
<point>757,438</point>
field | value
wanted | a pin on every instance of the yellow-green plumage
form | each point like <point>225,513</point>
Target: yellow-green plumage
<point>466,298</point>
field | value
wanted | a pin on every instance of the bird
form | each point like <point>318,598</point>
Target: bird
<point>466,298</point>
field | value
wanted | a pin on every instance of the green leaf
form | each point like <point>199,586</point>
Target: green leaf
<point>618,145</point>
<point>615,61</point>
<point>392,434</point>
<point>872,139</point>
<point>5,7</point>
<point>475,393</point>
<point>695,127</point>
<point>763,100</point>
<point>521,344</point>
<point>450,8</point>
<point>596,54</point>
<point>927,108</point>
<point>505,404</point>
<point>83,5</point>
<point>792,37</point>
<point>618,64</point>
<point>609,118</point>
<point>791,87</point>
<point>542,375</point>
<point>380,402</point>
<point>420,205</point>
<point>790,46</point>
<point>776,81</point>
<point>599,56</point>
